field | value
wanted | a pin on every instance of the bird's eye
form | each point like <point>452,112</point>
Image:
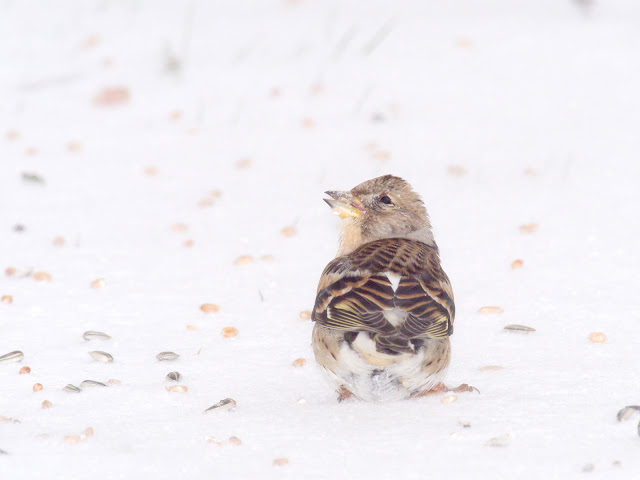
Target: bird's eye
<point>386,200</point>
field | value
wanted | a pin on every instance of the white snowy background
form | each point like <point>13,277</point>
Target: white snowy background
<point>500,113</point>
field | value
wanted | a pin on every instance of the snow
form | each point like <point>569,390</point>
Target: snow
<point>302,89</point>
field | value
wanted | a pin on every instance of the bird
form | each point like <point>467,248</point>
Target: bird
<point>384,308</point>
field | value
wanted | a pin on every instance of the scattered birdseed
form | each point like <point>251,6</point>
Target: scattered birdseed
<point>179,227</point>
<point>490,368</point>
<point>12,135</point>
<point>98,283</point>
<point>174,376</point>
<point>464,423</point>
<point>151,171</point>
<point>499,441</point>
<point>530,172</point>
<point>164,356</point>
<point>92,383</point>
<point>528,228</point>
<point>58,242</point>
<point>15,356</point>
<point>449,399</point>
<point>10,271</point>
<point>280,462</point>
<point>175,115</point>
<point>188,243</point>
<point>267,258</point>
<point>597,337</point>
<point>4,419</point>
<point>209,308</point>
<point>24,370</point>
<point>490,310</point>
<point>243,163</point>
<point>464,42</point>
<point>213,440</point>
<point>91,335</point>
<point>72,439</point>
<point>588,467</point>
<point>71,389</point>
<point>305,315</point>
<point>32,178</point>
<point>192,327</point>
<point>42,277</point>
<point>6,299</point>
<point>308,122</point>
<point>176,388</point>
<point>517,263</point>
<point>299,362</point>
<point>456,171</point>
<point>47,404</point>
<point>519,328</point>
<point>288,231</point>
<point>112,96</point>
<point>381,155</point>
<point>31,151</point>
<point>235,441</point>
<point>229,332</point>
<point>217,193</point>
<point>114,381</point>
<point>626,412</point>
<point>222,405</point>
<point>274,92</point>
<point>103,357</point>
<point>74,147</point>
<point>243,260</point>
<point>616,463</point>
<point>88,432</point>
<point>37,387</point>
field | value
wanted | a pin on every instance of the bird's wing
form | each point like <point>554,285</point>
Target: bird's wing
<point>355,291</point>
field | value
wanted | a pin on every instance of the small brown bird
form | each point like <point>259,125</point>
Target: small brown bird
<point>384,309</point>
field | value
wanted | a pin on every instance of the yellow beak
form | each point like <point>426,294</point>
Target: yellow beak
<point>344,204</point>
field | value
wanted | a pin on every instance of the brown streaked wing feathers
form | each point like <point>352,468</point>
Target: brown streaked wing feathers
<point>354,292</point>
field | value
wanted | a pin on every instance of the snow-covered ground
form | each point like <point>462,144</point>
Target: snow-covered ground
<point>500,114</point>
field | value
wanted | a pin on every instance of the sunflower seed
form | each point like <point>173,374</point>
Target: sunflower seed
<point>90,335</point>
<point>174,376</point>
<point>16,356</point>
<point>101,356</point>
<point>226,404</point>
<point>92,383</point>
<point>626,412</point>
<point>519,328</point>
<point>72,389</point>
<point>167,356</point>
<point>2,452</point>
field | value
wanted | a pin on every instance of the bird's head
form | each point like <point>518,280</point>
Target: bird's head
<point>383,207</point>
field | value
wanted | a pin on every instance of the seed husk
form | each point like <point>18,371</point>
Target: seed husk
<point>24,370</point>
<point>92,335</point>
<point>8,419</point>
<point>165,356</point>
<point>174,376</point>
<point>597,337</point>
<point>98,283</point>
<point>6,299</point>
<point>72,439</point>
<point>288,232</point>
<point>114,381</point>
<point>103,357</point>
<point>72,389</point>
<point>37,387</point>
<point>627,412</point>
<point>305,315</point>
<point>15,356</point>
<point>299,362</point>
<point>243,260</point>
<point>517,263</point>
<point>519,328</point>
<point>280,462</point>
<point>491,368</point>
<point>92,383</point>
<point>235,441</point>
<point>42,277</point>
<point>528,228</point>
<point>47,404</point>
<point>464,423</point>
<point>499,441</point>
<point>209,308</point>
<point>213,440</point>
<point>491,309</point>
<point>229,332</point>
<point>449,399</point>
<point>226,404</point>
<point>176,388</point>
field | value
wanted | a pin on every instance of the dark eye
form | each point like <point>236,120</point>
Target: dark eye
<point>386,200</point>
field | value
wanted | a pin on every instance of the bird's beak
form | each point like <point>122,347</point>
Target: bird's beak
<point>344,204</point>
